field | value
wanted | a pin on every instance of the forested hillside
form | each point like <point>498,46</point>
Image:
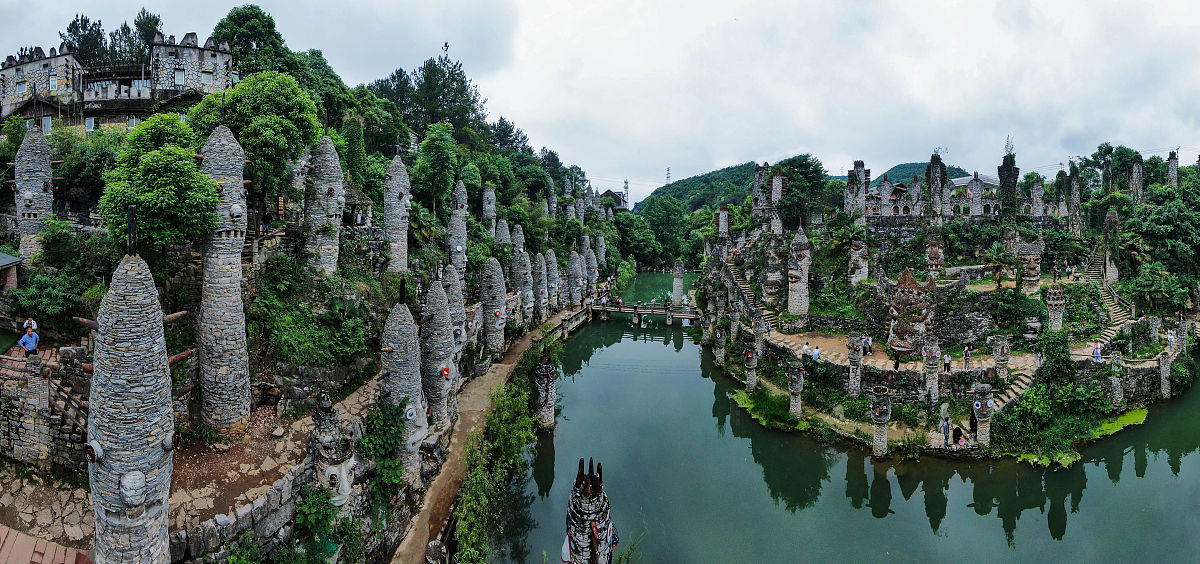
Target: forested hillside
<point>723,186</point>
<point>904,172</point>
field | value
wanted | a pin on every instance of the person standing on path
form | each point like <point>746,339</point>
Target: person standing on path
<point>967,357</point>
<point>945,432</point>
<point>1171,340</point>
<point>30,324</point>
<point>870,346</point>
<point>1096,351</point>
<point>946,363</point>
<point>29,342</point>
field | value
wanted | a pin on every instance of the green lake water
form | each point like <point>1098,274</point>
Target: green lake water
<point>700,481</point>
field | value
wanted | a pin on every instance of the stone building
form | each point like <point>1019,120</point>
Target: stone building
<point>224,361</point>
<point>35,192</point>
<point>323,203</point>
<point>131,425</point>
<point>397,200</point>
<point>400,383</point>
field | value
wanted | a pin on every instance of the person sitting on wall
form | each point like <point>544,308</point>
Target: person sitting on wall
<point>29,342</point>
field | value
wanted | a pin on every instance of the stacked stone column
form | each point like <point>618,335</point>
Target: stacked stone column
<point>438,371</point>
<point>489,208</point>
<point>881,413</point>
<point>492,301</point>
<point>1056,302</point>
<point>601,250</point>
<point>400,383</point>
<point>131,424</point>
<point>1000,354</point>
<point>539,288</point>
<point>984,407</point>
<point>553,289</point>
<point>523,280</point>
<point>799,261</point>
<point>518,238</point>
<point>795,387</point>
<point>35,193</point>
<point>575,280</point>
<point>854,356</point>
<point>677,284</point>
<point>1116,388</point>
<point>224,361</point>
<point>503,236</point>
<point>1164,374</point>
<point>592,273</point>
<point>452,284</point>
<point>932,378</point>
<point>456,231</point>
<point>397,196</point>
<point>323,208</point>
<point>719,349</point>
<point>590,530</point>
<point>753,356</point>
<point>545,377</point>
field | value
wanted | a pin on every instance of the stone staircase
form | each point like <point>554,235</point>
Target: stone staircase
<point>1017,388</point>
<point>1117,314</point>
<point>70,404</point>
<point>740,278</point>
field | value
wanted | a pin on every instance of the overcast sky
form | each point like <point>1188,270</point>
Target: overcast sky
<point>626,89</point>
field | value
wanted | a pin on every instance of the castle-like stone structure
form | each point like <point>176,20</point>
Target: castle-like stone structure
<point>323,204</point>
<point>224,361</point>
<point>35,192</point>
<point>131,426</point>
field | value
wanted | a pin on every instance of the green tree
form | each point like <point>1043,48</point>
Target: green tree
<point>1000,258</point>
<point>1057,364</point>
<point>638,238</point>
<point>507,136</point>
<point>669,219</point>
<point>437,165</point>
<point>329,94</point>
<point>85,38</point>
<point>439,90</point>
<point>155,171</point>
<point>123,46</point>
<point>257,46</point>
<point>147,25</point>
<point>356,154</point>
<point>384,129</point>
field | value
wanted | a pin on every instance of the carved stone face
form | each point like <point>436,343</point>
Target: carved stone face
<point>907,315</point>
<point>1032,266</point>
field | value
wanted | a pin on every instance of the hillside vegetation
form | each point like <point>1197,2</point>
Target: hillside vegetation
<point>905,171</point>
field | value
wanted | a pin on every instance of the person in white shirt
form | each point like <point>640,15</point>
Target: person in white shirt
<point>30,324</point>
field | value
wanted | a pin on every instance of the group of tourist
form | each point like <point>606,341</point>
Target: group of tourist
<point>956,433</point>
<point>29,341</point>
<point>1071,272</point>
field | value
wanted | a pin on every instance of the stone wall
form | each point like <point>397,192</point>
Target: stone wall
<point>35,435</point>
<point>301,385</point>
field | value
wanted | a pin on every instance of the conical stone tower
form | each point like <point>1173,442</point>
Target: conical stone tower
<point>323,208</point>
<point>400,383</point>
<point>35,194</point>
<point>397,196</point>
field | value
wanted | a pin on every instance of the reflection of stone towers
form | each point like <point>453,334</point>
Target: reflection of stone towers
<point>35,194</point>
<point>438,371</point>
<point>591,536</point>
<point>492,301</point>
<point>397,200</point>
<point>545,376</point>
<point>795,387</point>
<point>881,413</point>
<point>400,383</point>
<point>323,208</point>
<point>1056,302</point>
<point>224,362</point>
<point>984,407</point>
<point>677,283</point>
<point>854,357</point>
<point>131,425</point>
<point>932,359</point>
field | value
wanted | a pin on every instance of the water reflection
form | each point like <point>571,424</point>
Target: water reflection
<point>684,464</point>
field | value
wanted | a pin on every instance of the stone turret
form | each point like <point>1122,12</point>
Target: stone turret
<point>397,200</point>
<point>1135,180</point>
<point>677,283</point>
<point>224,361</point>
<point>854,357</point>
<point>1173,169</point>
<point>35,193</point>
<point>984,407</point>
<point>591,535</point>
<point>400,383</point>
<point>1038,194</point>
<point>539,288</point>
<point>545,377</point>
<point>936,177</point>
<point>332,452</point>
<point>503,237</point>
<point>601,250</point>
<point>881,413</point>
<point>323,205</point>
<point>1056,302</point>
<point>859,267</point>
<point>552,199</point>
<point>932,358</point>
<point>1164,373</point>
<point>456,231</point>
<point>795,387</point>
<point>799,261</point>
<point>592,272</point>
<point>523,281</point>
<point>753,355</point>
<point>518,237</point>
<point>492,301</point>
<point>131,425</point>
<point>1073,188</point>
<point>1001,351</point>
<point>719,348</point>
<point>571,210</point>
<point>438,372</point>
<point>452,284</point>
<point>585,242</point>
<point>858,180</point>
<point>552,281</point>
<point>575,280</point>
<point>489,208</point>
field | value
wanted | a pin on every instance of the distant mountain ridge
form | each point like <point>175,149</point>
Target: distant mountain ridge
<point>731,185</point>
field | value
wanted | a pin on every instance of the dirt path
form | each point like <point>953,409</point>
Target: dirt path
<point>474,403</point>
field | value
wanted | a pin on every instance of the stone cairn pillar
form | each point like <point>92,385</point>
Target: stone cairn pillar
<point>489,208</point>
<point>590,530</point>
<point>1173,169</point>
<point>131,427</point>
<point>735,320</point>
<point>1116,393</point>
<point>575,278</point>
<point>601,250</point>
<point>799,261</point>
<point>1056,302</point>
<point>456,231</point>
<point>705,329</point>
<point>397,200</point>
<point>552,199</point>
<point>933,360</point>
<point>492,301</point>
<point>593,270</point>
<point>452,284</point>
<point>881,413</point>
<point>1164,374</point>
<point>1001,350</point>
<point>323,208</point>
<point>552,281</point>
<point>539,288</point>
<point>795,386</point>
<point>719,348</point>
<point>438,371</point>
<point>677,283</point>
<point>332,453</point>
<point>224,361</point>
<point>503,237</point>
<point>984,407</point>
<point>523,280</point>
<point>518,238</point>
<point>854,356</point>
<point>1155,323</point>
<point>400,384</point>
<point>35,193</point>
<point>753,355</point>
<point>545,377</point>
